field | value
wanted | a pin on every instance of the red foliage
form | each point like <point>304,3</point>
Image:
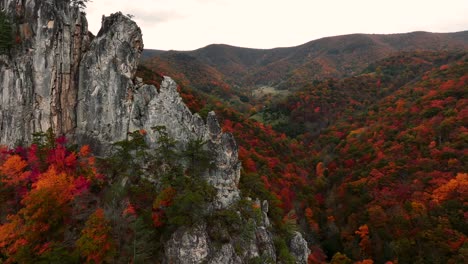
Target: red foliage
<point>46,188</point>
<point>316,256</point>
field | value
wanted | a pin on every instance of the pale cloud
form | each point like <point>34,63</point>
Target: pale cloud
<point>190,24</point>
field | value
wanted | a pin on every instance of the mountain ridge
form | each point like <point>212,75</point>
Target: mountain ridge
<point>455,33</point>
<point>329,57</point>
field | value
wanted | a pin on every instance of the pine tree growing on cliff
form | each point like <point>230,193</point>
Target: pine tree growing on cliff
<point>6,38</point>
<point>80,3</point>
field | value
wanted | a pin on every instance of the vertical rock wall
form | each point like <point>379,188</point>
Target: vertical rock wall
<point>105,94</point>
<point>39,80</point>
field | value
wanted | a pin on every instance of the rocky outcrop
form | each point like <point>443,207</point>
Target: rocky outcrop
<point>252,241</point>
<point>39,80</point>
<point>152,108</point>
<point>58,76</point>
<point>188,246</point>
<point>105,94</point>
<point>299,248</point>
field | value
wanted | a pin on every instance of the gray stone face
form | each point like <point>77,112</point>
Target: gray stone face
<point>299,248</point>
<point>151,108</point>
<point>226,255</point>
<point>188,246</point>
<point>105,94</point>
<point>194,245</point>
<point>38,81</point>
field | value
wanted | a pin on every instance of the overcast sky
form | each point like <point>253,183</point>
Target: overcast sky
<point>192,24</point>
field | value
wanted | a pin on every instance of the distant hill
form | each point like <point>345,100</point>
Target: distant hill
<point>149,53</point>
<point>291,67</point>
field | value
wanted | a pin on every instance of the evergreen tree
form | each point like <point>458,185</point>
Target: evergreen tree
<point>80,3</point>
<point>6,38</point>
<point>198,157</point>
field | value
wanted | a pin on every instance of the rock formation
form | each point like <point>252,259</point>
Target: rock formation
<point>39,81</point>
<point>106,86</point>
<point>58,76</point>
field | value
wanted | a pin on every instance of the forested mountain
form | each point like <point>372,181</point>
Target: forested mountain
<point>372,166</point>
<point>288,68</point>
<point>348,149</point>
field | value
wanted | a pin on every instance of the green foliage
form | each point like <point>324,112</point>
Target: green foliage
<point>205,110</point>
<point>251,185</point>
<point>199,158</point>
<point>223,224</point>
<point>128,158</point>
<point>282,251</point>
<point>6,34</point>
<point>340,258</point>
<point>58,255</point>
<point>249,210</point>
<point>183,197</point>
<point>80,3</point>
<point>144,241</point>
<point>166,149</point>
<point>166,197</point>
<point>190,204</point>
<point>44,140</point>
<point>95,243</point>
<point>244,98</point>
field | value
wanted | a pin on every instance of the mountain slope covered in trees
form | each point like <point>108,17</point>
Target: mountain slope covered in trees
<point>365,155</point>
<point>372,166</point>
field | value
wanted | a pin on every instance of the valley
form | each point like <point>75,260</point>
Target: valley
<point>347,156</point>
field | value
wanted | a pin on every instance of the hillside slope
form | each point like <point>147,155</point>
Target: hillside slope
<point>384,176</point>
<point>395,177</point>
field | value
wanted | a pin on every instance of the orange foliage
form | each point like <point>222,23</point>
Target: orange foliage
<point>47,187</point>
<point>457,186</point>
<point>85,151</point>
<point>309,214</point>
<point>363,233</point>
<point>12,171</point>
<point>165,198</point>
<point>365,261</point>
<point>319,169</point>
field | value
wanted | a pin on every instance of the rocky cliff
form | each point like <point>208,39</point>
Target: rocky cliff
<point>39,81</point>
<point>59,76</point>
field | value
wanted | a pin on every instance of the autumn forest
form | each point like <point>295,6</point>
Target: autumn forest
<point>372,166</point>
<point>365,156</point>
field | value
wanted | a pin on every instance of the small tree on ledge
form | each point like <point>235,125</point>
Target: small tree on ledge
<point>80,3</point>
<point>6,37</point>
